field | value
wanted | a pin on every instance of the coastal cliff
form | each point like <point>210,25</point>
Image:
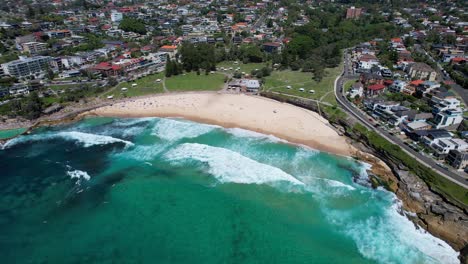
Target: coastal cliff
<point>425,207</point>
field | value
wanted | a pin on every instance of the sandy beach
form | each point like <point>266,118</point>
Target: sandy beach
<point>254,113</point>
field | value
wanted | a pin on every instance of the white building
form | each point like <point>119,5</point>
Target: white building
<point>25,67</point>
<point>116,16</point>
<point>446,104</point>
<point>450,118</point>
<point>443,146</point>
<point>397,86</point>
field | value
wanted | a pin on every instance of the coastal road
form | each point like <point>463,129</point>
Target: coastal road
<point>364,120</point>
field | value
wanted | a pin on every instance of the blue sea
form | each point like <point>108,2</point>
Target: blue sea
<point>162,190</point>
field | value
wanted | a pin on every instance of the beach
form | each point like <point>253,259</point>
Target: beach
<point>294,124</point>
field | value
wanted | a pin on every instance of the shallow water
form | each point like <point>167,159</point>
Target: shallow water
<point>154,190</point>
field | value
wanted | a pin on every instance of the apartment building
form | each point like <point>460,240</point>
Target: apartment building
<point>25,67</point>
<point>34,48</point>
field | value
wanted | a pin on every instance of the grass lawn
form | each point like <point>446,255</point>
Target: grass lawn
<point>247,68</point>
<point>279,80</point>
<point>145,85</point>
<point>193,82</point>
<point>64,86</point>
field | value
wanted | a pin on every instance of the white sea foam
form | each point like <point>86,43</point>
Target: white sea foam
<point>338,184</point>
<point>79,175</point>
<point>174,130</point>
<point>133,121</point>
<point>392,237</point>
<point>86,139</point>
<point>89,140</point>
<point>243,133</point>
<point>229,166</point>
<point>143,153</point>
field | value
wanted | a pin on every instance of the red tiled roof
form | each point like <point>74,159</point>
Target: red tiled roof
<point>376,87</point>
<point>416,82</point>
<point>458,59</point>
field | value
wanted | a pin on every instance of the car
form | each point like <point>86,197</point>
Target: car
<point>301,89</point>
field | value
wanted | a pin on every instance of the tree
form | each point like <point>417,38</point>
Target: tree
<point>112,81</point>
<point>32,106</point>
<point>169,67</point>
<point>132,25</point>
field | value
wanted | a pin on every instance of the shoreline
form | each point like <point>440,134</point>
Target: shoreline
<point>249,112</point>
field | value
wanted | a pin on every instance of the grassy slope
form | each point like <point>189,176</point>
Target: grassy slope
<point>193,82</point>
<point>278,81</point>
<point>145,85</point>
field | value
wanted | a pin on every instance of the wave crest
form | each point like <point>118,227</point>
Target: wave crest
<point>86,139</point>
<point>229,166</point>
<point>174,130</point>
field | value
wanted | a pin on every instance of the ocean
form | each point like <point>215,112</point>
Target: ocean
<point>168,190</point>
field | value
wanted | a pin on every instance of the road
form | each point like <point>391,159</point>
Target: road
<point>363,118</point>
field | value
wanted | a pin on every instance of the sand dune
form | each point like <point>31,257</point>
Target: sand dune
<point>255,113</point>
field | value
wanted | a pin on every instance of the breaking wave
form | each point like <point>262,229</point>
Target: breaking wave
<point>229,166</point>
<point>174,130</point>
<point>242,133</point>
<point>392,236</point>
<point>86,139</point>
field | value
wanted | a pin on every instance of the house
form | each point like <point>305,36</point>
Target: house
<point>375,89</point>
<point>272,47</point>
<point>416,125</point>
<point>34,47</point>
<point>353,13</point>
<point>442,146</point>
<point>433,136</point>
<point>458,159</point>
<point>171,50</point>
<point>397,86</point>
<point>116,16</point>
<point>107,69</point>
<point>357,89</point>
<point>448,119</point>
<point>370,79</point>
<point>422,71</point>
<point>445,104</point>
<point>366,61</point>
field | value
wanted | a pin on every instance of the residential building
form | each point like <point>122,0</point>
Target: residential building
<point>116,16</point>
<point>442,147</point>
<point>375,89</point>
<point>448,119</point>
<point>422,71</point>
<point>445,104</point>
<point>458,159</point>
<point>25,67</point>
<point>34,47</point>
<point>272,47</point>
<point>357,89</point>
<point>353,13</point>
<point>397,86</point>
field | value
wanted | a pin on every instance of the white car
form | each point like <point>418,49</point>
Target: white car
<point>301,89</point>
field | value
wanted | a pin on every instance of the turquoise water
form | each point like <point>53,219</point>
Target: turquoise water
<point>156,190</point>
<point>9,133</point>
